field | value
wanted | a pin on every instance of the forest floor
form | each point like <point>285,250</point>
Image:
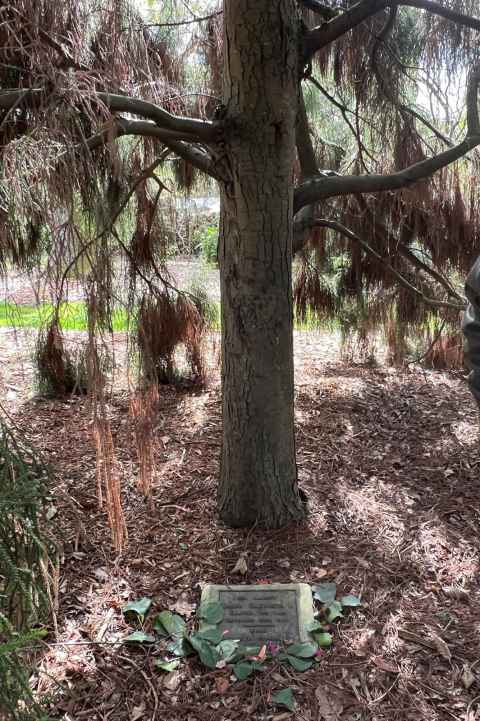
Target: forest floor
<point>390,461</point>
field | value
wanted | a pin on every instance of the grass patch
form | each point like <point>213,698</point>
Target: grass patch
<point>73,316</point>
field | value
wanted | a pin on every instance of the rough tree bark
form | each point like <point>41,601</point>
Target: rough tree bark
<point>258,483</point>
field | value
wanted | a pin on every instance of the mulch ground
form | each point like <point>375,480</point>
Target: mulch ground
<point>390,462</point>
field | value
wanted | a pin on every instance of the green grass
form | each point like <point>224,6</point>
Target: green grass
<point>73,316</point>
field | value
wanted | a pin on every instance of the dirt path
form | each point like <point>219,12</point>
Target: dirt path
<point>390,462</point>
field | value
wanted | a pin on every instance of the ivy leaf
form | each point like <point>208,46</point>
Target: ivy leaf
<point>139,637</point>
<point>212,612</point>
<point>258,665</point>
<point>315,626</point>
<point>284,698</point>
<point>325,592</point>
<point>167,666</point>
<point>227,648</point>
<point>180,647</point>
<point>137,608</point>
<point>174,625</point>
<point>324,639</point>
<point>334,611</point>
<point>209,656</point>
<point>303,650</point>
<point>242,670</point>
<point>214,635</point>
<point>350,601</point>
<point>299,664</point>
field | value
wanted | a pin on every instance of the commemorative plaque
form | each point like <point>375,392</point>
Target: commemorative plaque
<point>257,614</point>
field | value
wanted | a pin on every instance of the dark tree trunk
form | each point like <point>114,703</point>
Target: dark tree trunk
<point>258,483</point>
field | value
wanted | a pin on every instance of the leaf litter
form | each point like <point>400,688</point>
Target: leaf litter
<point>389,460</point>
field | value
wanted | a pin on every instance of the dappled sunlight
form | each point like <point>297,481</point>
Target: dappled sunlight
<point>392,496</point>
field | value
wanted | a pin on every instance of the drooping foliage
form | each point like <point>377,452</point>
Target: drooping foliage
<point>395,87</point>
<point>107,105</point>
<point>28,569</point>
<point>25,550</point>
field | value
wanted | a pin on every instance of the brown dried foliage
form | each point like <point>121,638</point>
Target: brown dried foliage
<point>143,408</point>
<point>108,480</point>
<point>164,324</point>
<point>54,365</point>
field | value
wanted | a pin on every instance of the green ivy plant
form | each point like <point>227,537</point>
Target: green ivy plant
<point>215,649</point>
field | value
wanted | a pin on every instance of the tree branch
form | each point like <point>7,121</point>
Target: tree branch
<point>178,23</point>
<point>192,128</point>
<point>319,8</point>
<point>194,155</point>
<point>184,128</point>
<point>326,33</point>
<point>379,229</point>
<point>384,87</point>
<point>320,188</point>
<point>334,225</point>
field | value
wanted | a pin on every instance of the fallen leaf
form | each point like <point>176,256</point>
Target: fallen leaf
<point>101,574</point>
<point>183,606</point>
<point>441,647</point>
<point>165,440</point>
<point>467,676</point>
<point>137,712</point>
<point>172,681</point>
<point>222,684</point>
<point>241,566</point>
<point>385,665</point>
<point>330,703</point>
<point>284,698</point>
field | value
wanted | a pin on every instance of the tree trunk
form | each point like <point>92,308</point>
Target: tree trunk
<point>258,483</point>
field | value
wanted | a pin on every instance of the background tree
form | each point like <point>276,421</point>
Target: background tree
<point>94,99</point>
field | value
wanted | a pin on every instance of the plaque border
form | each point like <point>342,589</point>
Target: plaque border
<point>304,599</point>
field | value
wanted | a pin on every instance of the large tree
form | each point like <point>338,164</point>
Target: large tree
<point>76,78</point>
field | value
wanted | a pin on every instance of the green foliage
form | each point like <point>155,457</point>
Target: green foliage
<point>137,608</point>
<point>168,666</point>
<point>171,623</point>
<point>212,612</point>
<point>26,555</point>
<point>139,637</point>
<point>299,664</point>
<point>25,550</point>
<point>284,698</point>
<point>242,670</point>
<point>215,649</point>
<point>331,609</point>
<point>207,243</point>
<point>16,699</point>
<point>325,592</point>
<point>323,639</point>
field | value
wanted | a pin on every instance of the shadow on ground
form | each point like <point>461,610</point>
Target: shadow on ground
<point>390,462</point>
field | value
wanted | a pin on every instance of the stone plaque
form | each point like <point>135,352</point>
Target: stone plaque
<point>257,614</point>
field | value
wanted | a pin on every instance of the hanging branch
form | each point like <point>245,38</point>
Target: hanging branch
<point>328,32</point>
<point>335,225</point>
<point>321,188</point>
<point>144,128</point>
<point>183,128</point>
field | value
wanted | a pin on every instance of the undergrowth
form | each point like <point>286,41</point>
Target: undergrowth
<point>27,569</point>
